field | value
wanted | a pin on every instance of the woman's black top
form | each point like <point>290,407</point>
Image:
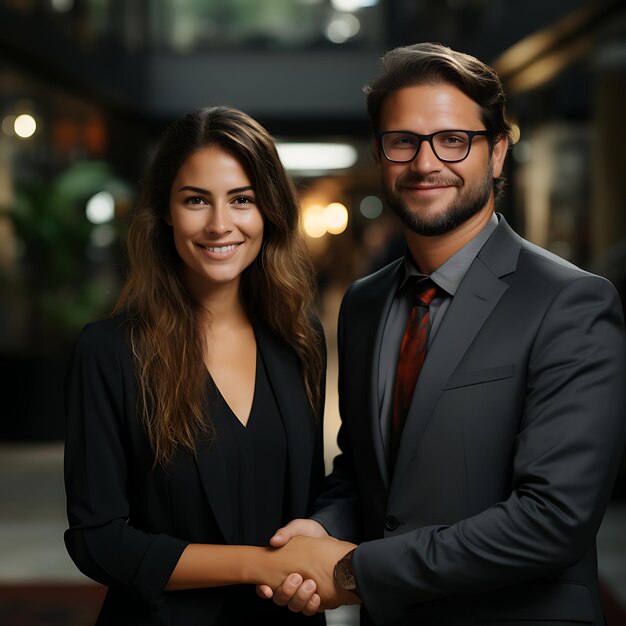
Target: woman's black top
<point>256,458</point>
<point>130,520</point>
<point>257,464</point>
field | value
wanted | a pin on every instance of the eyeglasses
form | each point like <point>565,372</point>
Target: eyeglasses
<point>449,146</point>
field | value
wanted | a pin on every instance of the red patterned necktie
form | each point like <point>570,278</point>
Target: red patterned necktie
<point>412,355</point>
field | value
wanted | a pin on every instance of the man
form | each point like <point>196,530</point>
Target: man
<point>481,502</point>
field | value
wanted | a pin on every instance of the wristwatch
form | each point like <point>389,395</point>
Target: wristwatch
<point>344,574</point>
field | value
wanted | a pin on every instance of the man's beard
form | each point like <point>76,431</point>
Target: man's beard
<point>467,204</point>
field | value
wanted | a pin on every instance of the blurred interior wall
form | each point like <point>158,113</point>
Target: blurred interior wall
<point>608,207</point>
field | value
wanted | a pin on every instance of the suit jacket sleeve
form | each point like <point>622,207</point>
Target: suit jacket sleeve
<point>567,453</point>
<point>99,539</point>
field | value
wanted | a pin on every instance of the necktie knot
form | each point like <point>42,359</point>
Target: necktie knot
<point>425,295</point>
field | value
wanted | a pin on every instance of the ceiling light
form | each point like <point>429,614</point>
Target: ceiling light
<point>352,5</point>
<point>316,157</point>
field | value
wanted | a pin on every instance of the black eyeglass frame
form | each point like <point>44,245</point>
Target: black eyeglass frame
<point>429,138</point>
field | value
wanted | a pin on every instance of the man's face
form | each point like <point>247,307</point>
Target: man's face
<point>432,197</point>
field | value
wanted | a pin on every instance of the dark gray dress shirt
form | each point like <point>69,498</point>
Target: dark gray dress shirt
<point>447,277</point>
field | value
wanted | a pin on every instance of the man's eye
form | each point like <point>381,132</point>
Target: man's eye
<point>452,140</point>
<point>403,142</point>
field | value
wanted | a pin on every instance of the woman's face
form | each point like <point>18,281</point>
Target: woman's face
<point>216,222</point>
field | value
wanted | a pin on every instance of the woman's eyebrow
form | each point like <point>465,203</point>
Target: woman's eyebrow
<point>206,192</point>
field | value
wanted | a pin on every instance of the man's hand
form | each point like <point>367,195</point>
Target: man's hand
<point>305,527</point>
<point>295,593</point>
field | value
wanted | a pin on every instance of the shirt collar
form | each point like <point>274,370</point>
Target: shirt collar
<point>449,275</point>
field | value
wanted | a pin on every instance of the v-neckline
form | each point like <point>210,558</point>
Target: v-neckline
<point>254,394</point>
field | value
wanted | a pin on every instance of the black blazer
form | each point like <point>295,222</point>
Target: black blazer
<point>508,455</point>
<point>130,522</point>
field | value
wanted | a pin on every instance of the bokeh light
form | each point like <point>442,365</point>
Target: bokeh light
<point>100,208</point>
<point>371,207</point>
<point>313,221</point>
<point>336,218</point>
<point>25,126</point>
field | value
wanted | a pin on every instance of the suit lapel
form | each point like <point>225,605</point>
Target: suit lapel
<point>374,316</point>
<point>478,294</point>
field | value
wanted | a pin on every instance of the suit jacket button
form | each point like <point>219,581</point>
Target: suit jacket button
<point>391,523</point>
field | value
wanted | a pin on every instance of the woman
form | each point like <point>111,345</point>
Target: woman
<point>194,413</point>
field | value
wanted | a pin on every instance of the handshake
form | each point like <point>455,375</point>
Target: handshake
<point>299,569</point>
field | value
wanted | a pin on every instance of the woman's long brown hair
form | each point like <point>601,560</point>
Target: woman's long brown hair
<point>165,331</point>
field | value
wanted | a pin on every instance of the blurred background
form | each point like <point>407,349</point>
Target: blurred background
<point>87,86</point>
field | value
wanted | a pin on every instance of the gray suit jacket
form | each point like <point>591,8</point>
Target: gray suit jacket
<point>509,453</point>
